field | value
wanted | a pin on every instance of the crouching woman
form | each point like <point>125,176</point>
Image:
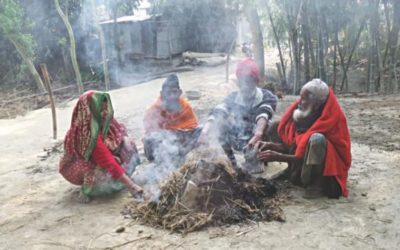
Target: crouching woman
<point>98,154</point>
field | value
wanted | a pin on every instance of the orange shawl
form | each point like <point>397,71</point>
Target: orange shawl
<point>157,118</point>
<point>333,125</point>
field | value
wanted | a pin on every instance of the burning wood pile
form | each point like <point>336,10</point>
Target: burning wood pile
<point>208,193</point>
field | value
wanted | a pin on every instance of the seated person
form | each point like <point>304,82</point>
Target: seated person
<point>171,128</point>
<point>98,155</point>
<point>243,117</point>
<point>315,141</point>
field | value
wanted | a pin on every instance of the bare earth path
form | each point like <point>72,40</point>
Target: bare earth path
<point>38,209</point>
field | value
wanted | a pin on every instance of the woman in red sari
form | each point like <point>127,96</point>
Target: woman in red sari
<point>97,152</point>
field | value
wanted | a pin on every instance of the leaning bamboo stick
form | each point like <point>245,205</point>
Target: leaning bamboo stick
<point>46,79</point>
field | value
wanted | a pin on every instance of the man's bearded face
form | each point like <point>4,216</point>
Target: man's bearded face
<point>308,104</point>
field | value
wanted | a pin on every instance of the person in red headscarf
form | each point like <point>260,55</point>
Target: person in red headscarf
<point>243,117</point>
<point>315,141</point>
<point>98,155</point>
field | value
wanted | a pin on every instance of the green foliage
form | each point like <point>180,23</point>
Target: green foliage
<point>14,26</point>
<point>121,7</point>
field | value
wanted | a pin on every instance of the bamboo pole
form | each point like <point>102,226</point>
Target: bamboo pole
<point>29,62</point>
<point>47,84</point>
<point>102,45</point>
<point>72,46</point>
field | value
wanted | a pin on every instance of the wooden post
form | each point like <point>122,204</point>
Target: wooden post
<point>46,79</point>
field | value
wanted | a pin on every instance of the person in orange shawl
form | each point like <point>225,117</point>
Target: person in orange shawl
<point>315,141</point>
<point>171,127</point>
<point>98,155</point>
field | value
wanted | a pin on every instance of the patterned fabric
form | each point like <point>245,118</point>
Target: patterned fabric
<point>93,114</point>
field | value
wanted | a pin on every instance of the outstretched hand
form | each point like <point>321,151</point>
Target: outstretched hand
<point>254,141</point>
<point>264,145</point>
<point>135,190</point>
<point>269,156</point>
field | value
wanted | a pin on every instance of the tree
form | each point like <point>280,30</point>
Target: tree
<point>103,46</point>
<point>72,45</point>
<point>321,45</point>
<point>374,63</point>
<point>393,43</point>
<point>257,37</point>
<point>353,48</point>
<point>117,9</point>
<point>11,26</point>
<point>278,43</point>
<point>293,11</point>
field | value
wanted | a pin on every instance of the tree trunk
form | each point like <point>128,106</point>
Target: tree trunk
<point>257,37</point>
<point>387,18</point>
<point>278,44</point>
<point>393,42</point>
<point>293,18</point>
<point>335,45</point>
<point>313,65</point>
<point>352,52</point>
<point>321,56</point>
<point>28,61</point>
<point>103,47</point>
<point>372,49</point>
<point>67,67</point>
<point>291,63</point>
<point>72,46</point>
<point>370,69</point>
<point>378,69</point>
<point>305,28</point>
<point>296,58</point>
<point>334,67</point>
<point>307,71</point>
<point>117,65</point>
<point>341,56</point>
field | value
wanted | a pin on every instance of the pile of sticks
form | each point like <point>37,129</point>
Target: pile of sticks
<point>222,196</point>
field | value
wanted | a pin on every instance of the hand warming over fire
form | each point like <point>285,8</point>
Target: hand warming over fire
<point>269,156</point>
<point>261,126</point>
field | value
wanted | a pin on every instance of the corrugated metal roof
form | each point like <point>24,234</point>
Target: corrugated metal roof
<point>134,18</point>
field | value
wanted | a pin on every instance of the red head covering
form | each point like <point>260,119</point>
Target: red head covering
<point>248,67</point>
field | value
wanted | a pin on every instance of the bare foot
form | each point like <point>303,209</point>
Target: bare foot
<point>83,198</point>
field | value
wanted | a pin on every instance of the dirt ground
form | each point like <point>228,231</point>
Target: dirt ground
<point>39,210</point>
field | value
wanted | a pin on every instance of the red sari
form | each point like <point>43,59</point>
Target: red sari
<point>333,125</point>
<point>91,121</point>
